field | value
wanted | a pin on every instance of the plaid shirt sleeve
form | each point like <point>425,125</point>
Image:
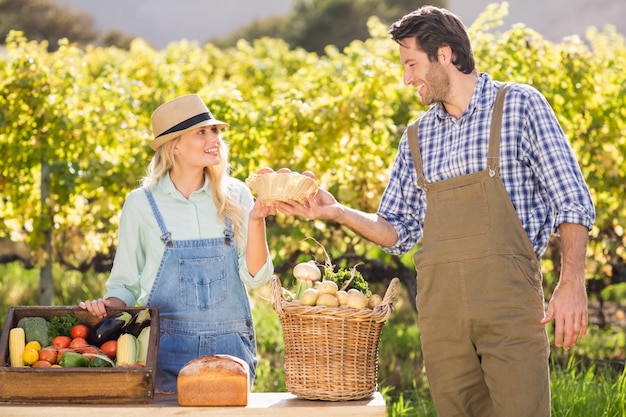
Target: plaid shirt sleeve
<point>546,150</point>
<point>403,203</point>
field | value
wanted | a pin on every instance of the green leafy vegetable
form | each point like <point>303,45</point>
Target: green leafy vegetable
<point>61,325</point>
<point>348,278</point>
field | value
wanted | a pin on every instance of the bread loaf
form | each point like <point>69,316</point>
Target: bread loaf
<point>214,380</point>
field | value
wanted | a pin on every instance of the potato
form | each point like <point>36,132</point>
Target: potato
<point>327,287</point>
<point>342,297</point>
<point>309,297</point>
<point>356,299</point>
<point>374,300</point>
<point>327,300</point>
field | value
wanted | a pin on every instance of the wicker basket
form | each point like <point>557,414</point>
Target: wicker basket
<point>331,353</point>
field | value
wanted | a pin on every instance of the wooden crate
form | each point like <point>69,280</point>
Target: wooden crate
<point>76,385</point>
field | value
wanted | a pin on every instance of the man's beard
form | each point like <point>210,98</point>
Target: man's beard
<point>437,85</point>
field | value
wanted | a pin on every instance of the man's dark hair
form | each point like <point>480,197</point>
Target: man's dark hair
<point>433,27</point>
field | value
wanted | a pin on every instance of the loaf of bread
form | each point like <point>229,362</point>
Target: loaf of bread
<point>214,380</point>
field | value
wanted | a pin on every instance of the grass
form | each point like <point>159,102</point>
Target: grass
<point>588,380</point>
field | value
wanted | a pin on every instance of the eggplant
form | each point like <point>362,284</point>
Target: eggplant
<point>110,328</point>
<point>140,321</point>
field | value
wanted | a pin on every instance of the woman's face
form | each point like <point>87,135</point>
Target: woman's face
<point>198,147</point>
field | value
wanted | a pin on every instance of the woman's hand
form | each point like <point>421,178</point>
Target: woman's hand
<point>98,307</point>
<point>260,210</point>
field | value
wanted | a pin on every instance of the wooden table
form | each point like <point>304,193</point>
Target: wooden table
<point>271,404</point>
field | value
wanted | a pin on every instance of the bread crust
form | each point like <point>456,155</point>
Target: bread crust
<point>214,380</point>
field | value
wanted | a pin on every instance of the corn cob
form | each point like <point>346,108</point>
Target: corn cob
<point>17,342</point>
<point>126,350</point>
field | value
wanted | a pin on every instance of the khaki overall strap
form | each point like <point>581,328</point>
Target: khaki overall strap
<point>415,152</point>
<point>493,155</point>
<point>494,139</point>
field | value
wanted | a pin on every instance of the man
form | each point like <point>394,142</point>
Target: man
<point>484,210</point>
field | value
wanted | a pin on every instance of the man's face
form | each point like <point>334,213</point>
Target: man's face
<point>429,77</point>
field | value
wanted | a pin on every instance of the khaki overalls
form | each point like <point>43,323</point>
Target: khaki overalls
<point>479,296</point>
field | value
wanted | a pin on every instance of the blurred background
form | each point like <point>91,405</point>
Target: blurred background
<point>311,24</point>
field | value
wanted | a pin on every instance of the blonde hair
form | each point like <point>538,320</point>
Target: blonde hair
<point>227,207</point>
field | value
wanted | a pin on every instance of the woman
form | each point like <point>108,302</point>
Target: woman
<point>190,239</point>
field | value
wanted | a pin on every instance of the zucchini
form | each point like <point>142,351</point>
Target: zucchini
<point>143,343</point>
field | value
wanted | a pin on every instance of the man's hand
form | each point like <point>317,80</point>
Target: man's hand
<point>568,308</point>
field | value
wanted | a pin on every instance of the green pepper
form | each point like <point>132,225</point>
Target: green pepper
<point>74,360</point>
<point>101,361</point>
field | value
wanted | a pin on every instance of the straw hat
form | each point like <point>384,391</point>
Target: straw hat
<point>179,115</point>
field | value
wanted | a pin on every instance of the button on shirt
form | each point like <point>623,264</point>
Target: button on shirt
<point>140,248</point>
<point>537,165</point>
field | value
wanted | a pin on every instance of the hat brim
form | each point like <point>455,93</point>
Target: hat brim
<point>158,142</point>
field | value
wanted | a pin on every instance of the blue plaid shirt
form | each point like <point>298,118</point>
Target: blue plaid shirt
<point>537,165</point>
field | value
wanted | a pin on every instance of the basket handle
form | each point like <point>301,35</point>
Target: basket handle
<point>385,308</point>
<point>277,294</point>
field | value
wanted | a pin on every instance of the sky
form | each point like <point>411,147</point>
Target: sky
<point>160,22</point>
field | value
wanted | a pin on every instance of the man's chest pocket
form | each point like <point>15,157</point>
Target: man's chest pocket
<point>461,212</point>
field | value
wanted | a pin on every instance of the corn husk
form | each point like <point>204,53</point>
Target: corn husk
<point>282,186</point>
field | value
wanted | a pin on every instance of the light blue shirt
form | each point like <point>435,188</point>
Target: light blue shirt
<point>140,248</point>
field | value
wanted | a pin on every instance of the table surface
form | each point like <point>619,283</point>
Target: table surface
<point>259,404</point>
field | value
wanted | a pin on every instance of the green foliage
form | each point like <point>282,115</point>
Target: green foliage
<point>270,345</point>
<point>587,391</point>
<point>315,24</point>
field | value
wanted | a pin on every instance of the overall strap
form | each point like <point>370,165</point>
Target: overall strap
<point>493,155</point>
<point>494,139</point>
<point>415,153</point>
<point>166,237</point>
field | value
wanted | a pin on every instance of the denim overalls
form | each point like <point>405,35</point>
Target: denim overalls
<point>203,304</point>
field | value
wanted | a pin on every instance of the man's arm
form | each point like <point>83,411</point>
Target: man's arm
<point>324,206</point>
<point>568,306</point>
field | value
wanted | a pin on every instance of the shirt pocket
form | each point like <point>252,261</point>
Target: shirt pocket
<point>202,281</point>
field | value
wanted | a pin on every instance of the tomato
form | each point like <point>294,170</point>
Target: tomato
<point>61,342</point>
<point>41,364</point>
<point>80,330</point>
<point>89,351</point>
<point>48,354</point>
<point>79,342</point>
<point>109,348</point>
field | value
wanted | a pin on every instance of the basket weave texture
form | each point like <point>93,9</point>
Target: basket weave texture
<point>331,353</point>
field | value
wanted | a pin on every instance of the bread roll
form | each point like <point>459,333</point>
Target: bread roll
<point>214,380</point>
